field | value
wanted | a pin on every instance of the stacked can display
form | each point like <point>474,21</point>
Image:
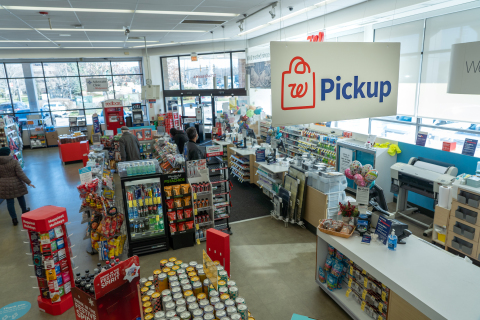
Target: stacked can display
<point>180,290</point>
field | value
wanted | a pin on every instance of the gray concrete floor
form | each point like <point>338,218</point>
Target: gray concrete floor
<point>273,266</point>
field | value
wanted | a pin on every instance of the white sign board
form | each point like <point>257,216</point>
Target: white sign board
<point>346,159</point>
<point>213,151</point>
<point>330,81</point>
<point>464,76</point>
<point>85,175</point>
<point>97,84</point>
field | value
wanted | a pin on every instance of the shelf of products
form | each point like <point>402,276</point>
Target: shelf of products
<point>11,137</point>
<point>77,124</point>
<point>36,131</point>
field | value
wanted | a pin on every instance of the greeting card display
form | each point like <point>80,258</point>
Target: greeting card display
<point>51,257</point>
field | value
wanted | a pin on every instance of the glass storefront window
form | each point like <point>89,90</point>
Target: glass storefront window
<point>94,68</point>
<point>58,90</point>
<point>90,112</point>
<point>211,71</point>
<point>395,131</point>
<point>207,110</point>
<point>189,105</point>
<point>171,80</point>
<point>14,70</point>
<point>238,66</point>
<point>64,69</point>
<point>126,67</point>
<point>128,88</point>
<point>436,137</point>
<point>5,102</point>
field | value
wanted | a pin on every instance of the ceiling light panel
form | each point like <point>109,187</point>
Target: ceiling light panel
<point>110,10</point>
<point>98,30</point>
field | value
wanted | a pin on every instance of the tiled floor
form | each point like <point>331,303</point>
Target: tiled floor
<point>273,266</point>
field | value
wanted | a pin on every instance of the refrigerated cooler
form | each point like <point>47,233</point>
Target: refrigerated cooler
<point>143,203</point>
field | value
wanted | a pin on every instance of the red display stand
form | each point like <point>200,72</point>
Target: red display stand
<point>218,247</point>
<point>51,257</point>
<point>73,151</point>
<point>117,295</point>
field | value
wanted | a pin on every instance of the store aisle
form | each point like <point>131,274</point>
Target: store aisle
<point>271,264</point>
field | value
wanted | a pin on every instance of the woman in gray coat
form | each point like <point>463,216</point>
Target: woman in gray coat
<point>12,183</point>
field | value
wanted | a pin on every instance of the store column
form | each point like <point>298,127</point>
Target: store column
<point>30,86</point>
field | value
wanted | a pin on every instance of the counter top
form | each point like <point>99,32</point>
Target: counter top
<point>244,152</point>
<point>437,283</point>
<point>222,143</point>
<point>275,168</point>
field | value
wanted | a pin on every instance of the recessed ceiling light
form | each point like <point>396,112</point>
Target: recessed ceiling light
<point>64,35</point>
<point>182,13</point>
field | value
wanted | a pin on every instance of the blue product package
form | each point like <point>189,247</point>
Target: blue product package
<point>337,268</point>
<point>329,263</point>
<point>321,275</point>
<point>366,239</point>
<point>339,282</point>
<point>331,282</point>
<point>60,244</point>
<point>51,234</point>
<point>57,268</point>
<point>362,226</point>
<point>59,279</point>
<point>339,255</point>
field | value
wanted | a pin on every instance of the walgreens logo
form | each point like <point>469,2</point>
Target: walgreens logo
<point>299,81</point>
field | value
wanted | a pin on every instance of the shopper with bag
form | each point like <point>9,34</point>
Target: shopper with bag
<point>180,138</point>
<point>129,146</point>
<point>12,183</point>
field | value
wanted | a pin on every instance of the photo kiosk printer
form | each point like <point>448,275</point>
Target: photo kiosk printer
<point>137,115</point>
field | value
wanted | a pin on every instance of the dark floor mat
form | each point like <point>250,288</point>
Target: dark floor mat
<point>248,201</point>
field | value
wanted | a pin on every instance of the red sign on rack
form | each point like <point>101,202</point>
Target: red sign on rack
<point>115,277</point>
<point>44,218</point>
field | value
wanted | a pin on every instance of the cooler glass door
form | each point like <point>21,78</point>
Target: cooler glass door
<point>144,208</point>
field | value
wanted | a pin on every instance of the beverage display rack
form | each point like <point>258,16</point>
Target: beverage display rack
<point>36,131</point>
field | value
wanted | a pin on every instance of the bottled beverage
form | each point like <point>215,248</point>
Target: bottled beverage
<point>129,169</point>
<point>141,227</point>
<point>147,224</point>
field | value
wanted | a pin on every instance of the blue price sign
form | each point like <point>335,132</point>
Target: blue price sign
<point>469,147</point>
<point>15,310</point>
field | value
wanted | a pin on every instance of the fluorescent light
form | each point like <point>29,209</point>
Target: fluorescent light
<point>183,42</point>
<point>288,16</point>
<point>99,30</point>
<point>75,41</point>
<point>64,35</point>
<point>61,48</point>
<point>182,13</point>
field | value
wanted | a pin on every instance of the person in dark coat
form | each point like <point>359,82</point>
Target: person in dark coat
<point>193,152</point>
<point>129,146</point>
<point>12,183</point>
<point>180,138</point>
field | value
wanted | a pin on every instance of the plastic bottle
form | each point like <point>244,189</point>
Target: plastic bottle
<point>392,241</point>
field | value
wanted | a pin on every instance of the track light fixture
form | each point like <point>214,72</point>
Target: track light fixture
<point>272,12</point>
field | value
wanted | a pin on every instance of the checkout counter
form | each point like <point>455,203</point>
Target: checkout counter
<point>425,281</point>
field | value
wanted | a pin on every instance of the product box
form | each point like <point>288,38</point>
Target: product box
<point>52,138</point>
<point>449,146</point>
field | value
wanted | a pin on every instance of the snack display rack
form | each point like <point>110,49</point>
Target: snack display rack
<point>178,210</point>
<point>265,125</point>
<point>202,198</point>
<point>51,255</point>
<point>10,137</point>
<point>105,222</point>
<point>78,123</point>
